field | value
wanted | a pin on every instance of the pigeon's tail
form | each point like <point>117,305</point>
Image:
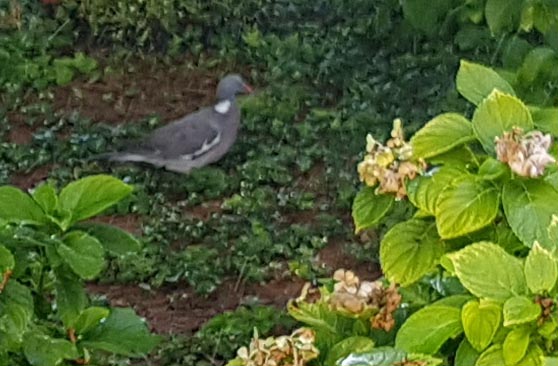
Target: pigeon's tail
<point>120,157</point>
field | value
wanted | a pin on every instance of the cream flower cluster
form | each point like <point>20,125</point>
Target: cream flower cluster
<point>526,154</point>
<point>390,165</point>
<point>294,350</point>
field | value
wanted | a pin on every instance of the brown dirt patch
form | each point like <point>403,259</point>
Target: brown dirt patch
<point>20,133</point>
<point>173,310</point>
<point>130,223</point>
<point>147,90</point>
<point>28,180</point>
<point>334,256</point>
<point>205,210</point>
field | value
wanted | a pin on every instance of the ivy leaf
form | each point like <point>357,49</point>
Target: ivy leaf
<point>475,82</point>
<point>441,134</point>
<point>123,332</point>
<point>113,239</point>
<point>516,344</point>
<point>529,206</point>
<point>488,271</point>
<point>503,15</point>
<point>428,329</point>
<point>346,347</point>
<point>467,205</point>
<point>497,114</point>
<point>541,270</point>
<point>520,310</point>
<point>90,318</point>
<point>369,208</point>
<point>381,356</point>
<point>409,250</point>
<point>481,320</point>
<point>16,309</point>
<point>90,196</point>
<point>83,253</point>
<point>466,355</point>
<point>18,207</point>
<point>42,350</point>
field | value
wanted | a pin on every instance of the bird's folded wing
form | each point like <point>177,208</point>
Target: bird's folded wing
<point>185,139</point>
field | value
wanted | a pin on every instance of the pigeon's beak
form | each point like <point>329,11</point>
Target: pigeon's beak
<point>248,89</point>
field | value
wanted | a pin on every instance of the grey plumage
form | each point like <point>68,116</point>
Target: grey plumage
<point>195,140</point>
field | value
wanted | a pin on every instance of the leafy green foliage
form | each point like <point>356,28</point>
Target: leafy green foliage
<point>40,236</point>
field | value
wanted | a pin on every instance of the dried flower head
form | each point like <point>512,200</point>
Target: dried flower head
<point>391,165</point>
<point>354,297</point>
<point>526,154</point>
<point>294,350</point>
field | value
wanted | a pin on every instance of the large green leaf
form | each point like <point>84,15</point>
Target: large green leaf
<point>83,253</point>
<point>7,261</point>
<point>381,356</point>
<point>497,114</point>
<point>520,310</point>
<point>45,195</point>
<point>545,119</point>
<point>442,134</point>
<point>70,298</point>
<point>113,239</point>
<point>488,271</point>
<point>369,208</point>
<point>541,270</point>
<point>346,347</point>
<point>16,312</point>
<point>92,195</point>
<point>428,329</point>
<point>466,355</point>
<point>467,205</point>
<point>17,206</point>
<point>475,82</point>
<point>90,318</point>
<point>42,350</point>
<point>426,16</point>
<point>409,250</point>
<point>481,320</point>
<point>123,332</point>
<point>516,344</point>
<point>491,357</point>
<point>529,206</point>
<point>503,15</point>
<point>424,191</point>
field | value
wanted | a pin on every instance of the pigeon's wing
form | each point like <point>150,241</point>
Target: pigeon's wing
<point>187,139</point>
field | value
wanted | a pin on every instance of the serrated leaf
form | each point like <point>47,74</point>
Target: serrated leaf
<point>442,134</point>
<point>83,253</point>
<point>467,205</point>
<point>16,313</point>
<point>42,350</point>
<point>503,15</point>
<point>541,270</point>
<point>428,329</point>
<point>529,206</point>
<point>481,321</point>
<point>466,355</point>
<point>70,298</point>
<point>409,250</point>
<point>90,318</point>
<point>381,356</point>
<point>347,346</point>
<point>18,207</point>
<point>520,310</point>
<point>45,195</point>
<point>113,239</point>
<point>516,344</point>
<point>488,271</point>
<point>123,332</point>
<point>497,114</point>
<point>475,82</point>
<point>92,195</point>
<point>369,208</point>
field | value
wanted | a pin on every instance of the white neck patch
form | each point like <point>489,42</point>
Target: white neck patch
<point>223,106</point>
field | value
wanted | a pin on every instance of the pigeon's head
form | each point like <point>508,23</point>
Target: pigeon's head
<point>232,85</point>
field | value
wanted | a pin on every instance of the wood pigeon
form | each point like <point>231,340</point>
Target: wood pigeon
<point>196,140</point>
